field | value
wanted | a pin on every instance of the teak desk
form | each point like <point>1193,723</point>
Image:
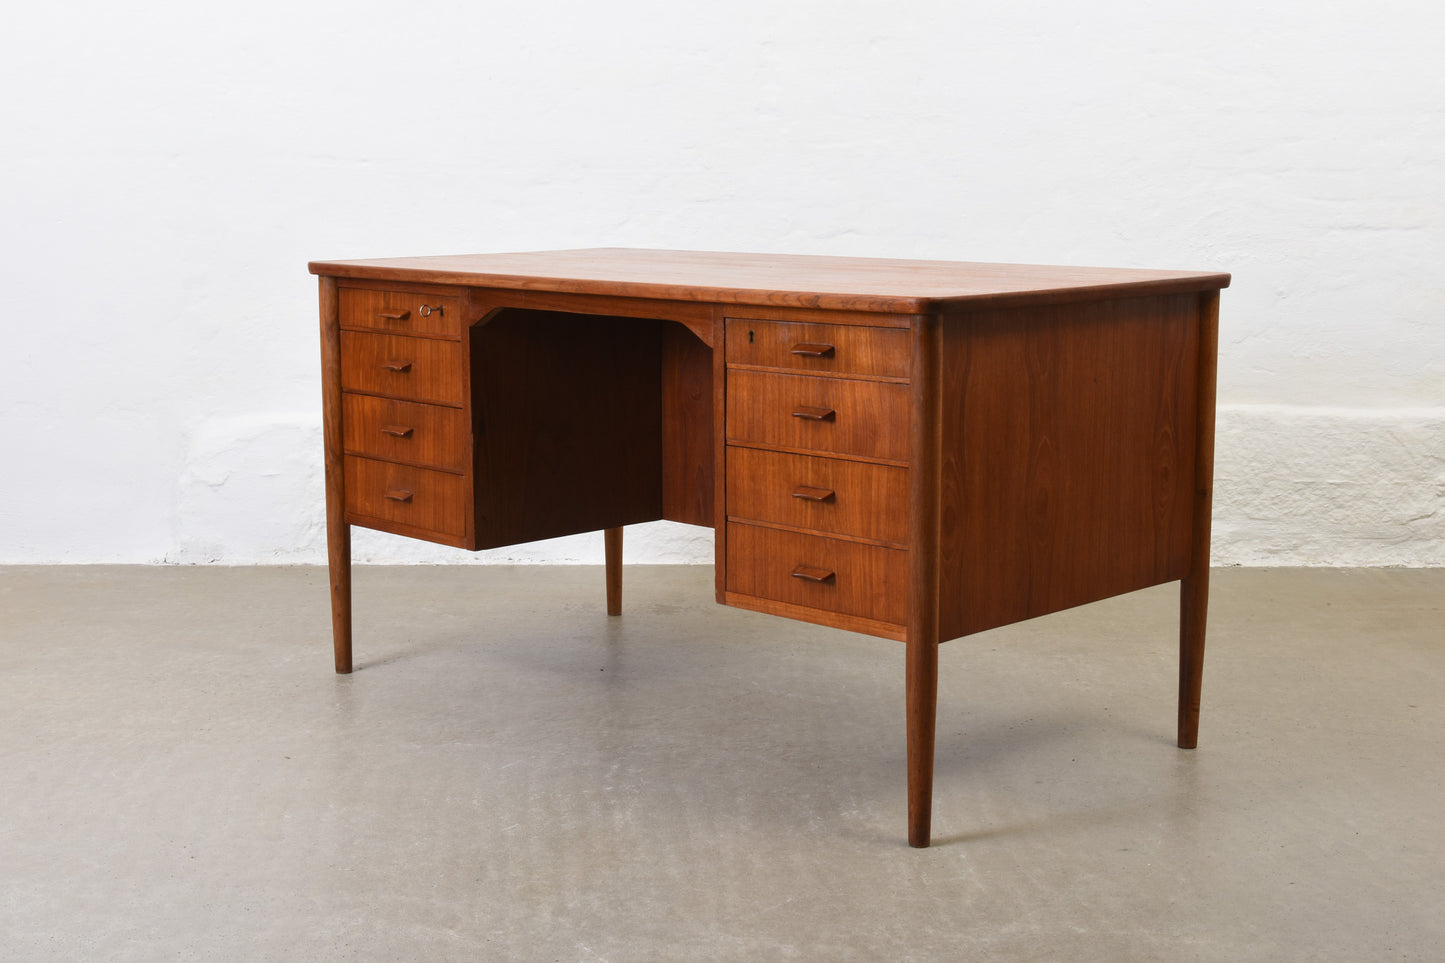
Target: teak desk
<point>916,450</point>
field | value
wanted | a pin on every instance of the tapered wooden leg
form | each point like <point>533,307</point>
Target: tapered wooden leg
<point>921,670</point>
<point>612,542</point>
<point>338,533</point>
<point>1193,608</point>
<point>1194,590</point>
<point>921,688</point>
<point>338,546</point>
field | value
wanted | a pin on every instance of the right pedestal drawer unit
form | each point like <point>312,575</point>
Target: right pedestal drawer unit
<point>817,472</point>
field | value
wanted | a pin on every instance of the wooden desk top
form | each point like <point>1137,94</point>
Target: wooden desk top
<point>783,280</point>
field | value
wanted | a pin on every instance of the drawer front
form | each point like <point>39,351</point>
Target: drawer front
<point>401,312</point>
<point>866,418</point>
<point>822,494</point>
<point>413,369</point>
<point>838,348</point>
<point>405,431</point>
<point>426,499</point>
<point>821,573</point>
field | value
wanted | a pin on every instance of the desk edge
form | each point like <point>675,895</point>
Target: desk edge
<point>834,301</point>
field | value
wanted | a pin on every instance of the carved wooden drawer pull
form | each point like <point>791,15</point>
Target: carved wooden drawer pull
<point>396,431</point>
<point>814,414</point>
<point>808,493</point>
<point>813,350</point>
<point>401,367</point>
<point>809,574</point>
<point>398,494</point>
<point>394,315</point>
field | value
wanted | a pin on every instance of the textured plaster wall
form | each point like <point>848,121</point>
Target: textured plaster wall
<point>166,170</point>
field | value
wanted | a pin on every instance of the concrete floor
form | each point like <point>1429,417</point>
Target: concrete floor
<point>511,775</point>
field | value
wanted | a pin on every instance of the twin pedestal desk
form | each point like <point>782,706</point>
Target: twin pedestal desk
<point>916,450</point>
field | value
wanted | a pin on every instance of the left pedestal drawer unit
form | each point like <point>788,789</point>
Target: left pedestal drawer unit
<point>406,411</point>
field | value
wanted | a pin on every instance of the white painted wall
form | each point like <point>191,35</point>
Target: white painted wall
<point>168,168</point>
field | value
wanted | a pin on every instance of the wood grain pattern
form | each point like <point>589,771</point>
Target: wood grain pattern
<point>868,421</point>
<point>434,370</point>
<point>435,502</point>
<point>925,442</point>
<point>697,318</point>
<point>399,285</point>
<point>867,501</point>
<point>720,492</point>
<point>612,554</point>
<point>688,469</point>
<point>423,312</point>
<point>833,283</point>
<point>1194,589</point>
<point>338,532</point>
<point>435,436</point>
<point>802,613</point>
<point>1068,440</point>
<point>870,582</point>
<point>568,414</point>
<point>854,350</point>
<point>410,531</point>
<point>787,315</point>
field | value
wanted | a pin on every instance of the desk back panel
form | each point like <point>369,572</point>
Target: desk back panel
<point>1068,456</point>
<point>567,412</point>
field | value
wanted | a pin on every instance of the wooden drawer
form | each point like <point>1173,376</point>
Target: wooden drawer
<point>426,435</point>
<point>401,312</point>
<point>435,501</point>
<point>838,348</point>
<point>866,418</point>
<point>413,369</point>
<point>849,578</point>
<point>822,494</point>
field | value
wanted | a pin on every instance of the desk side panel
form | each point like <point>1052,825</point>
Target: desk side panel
<point>688,472</point>
<point>1068,456</point>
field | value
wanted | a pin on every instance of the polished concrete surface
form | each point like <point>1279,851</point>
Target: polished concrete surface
<point>511,775</point>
